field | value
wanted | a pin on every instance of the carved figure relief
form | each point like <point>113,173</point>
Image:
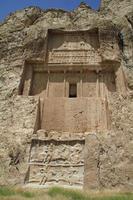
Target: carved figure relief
<point>57,162</point>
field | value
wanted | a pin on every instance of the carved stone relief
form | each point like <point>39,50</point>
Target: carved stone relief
<point>57,162</point>
<point>73,48</point>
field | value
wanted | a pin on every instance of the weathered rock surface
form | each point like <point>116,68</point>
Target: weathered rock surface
<point>22,36</point>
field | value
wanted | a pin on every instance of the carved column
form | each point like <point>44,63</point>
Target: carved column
<point>64,83</point>
<point>120,81</point>
<point>81,83</point>
<point>97,85</point>
<point>28,80</point>
<point>48,83</point>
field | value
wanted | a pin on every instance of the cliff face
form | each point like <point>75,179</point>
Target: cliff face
<point>23,36</point>
<point>121,14</point>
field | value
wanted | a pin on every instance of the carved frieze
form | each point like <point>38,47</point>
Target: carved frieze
<point>73,56</point>
<point>73,48</point>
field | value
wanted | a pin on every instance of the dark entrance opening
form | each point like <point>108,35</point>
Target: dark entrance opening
<point>72,90</point>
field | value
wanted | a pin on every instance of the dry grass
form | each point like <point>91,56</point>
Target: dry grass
<point>57,193</point>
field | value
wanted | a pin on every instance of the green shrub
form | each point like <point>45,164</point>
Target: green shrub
<point>71,194</point>
<point>58,193</point>
<point>77,195</point>
<point>27,194</point>
<point>4,191</point>
<point>7,192</point>
<point>116,197</point>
